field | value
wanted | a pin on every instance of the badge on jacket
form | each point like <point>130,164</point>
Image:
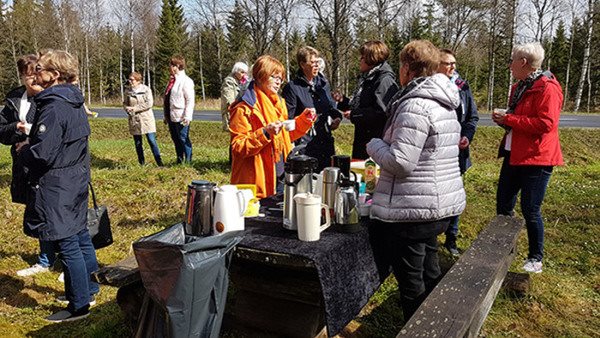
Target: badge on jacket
<point>41,129</point>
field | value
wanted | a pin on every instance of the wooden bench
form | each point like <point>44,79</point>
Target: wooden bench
<point>459,304</point>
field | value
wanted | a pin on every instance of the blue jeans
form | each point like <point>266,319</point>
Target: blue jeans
<point>183,145</point>
<point>78,256</point>
<point>151,137</point>
<point>532,181</point>
<point>47,255</point>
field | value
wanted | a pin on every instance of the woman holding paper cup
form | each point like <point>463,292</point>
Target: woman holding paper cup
<point>420,188</point>
<point>15,123</point>
<point>260,142</point>
<point>531,146</point>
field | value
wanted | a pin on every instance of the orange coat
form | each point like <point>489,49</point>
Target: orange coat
<point>252,153</point>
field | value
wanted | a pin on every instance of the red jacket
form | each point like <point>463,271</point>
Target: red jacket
<point>534,125</point>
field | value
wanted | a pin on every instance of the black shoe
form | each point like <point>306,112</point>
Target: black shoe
<point>68,316</point>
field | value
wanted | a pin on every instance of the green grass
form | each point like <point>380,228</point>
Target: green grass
<point>564,301</point>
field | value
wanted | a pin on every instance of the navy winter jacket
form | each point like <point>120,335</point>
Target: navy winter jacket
<point>300,94</point>
<point>57,156</point>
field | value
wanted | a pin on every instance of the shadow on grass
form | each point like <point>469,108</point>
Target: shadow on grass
<point>103,163</point>
<point>11,292</point>
<point>204,166</point>
<point>104,320</point>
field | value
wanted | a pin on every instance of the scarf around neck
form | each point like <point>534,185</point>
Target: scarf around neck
<point>272,109</point>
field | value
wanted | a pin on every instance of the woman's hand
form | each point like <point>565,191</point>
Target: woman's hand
<point>273,128</point>
<point>346,114</point>
<point>310,113</point>
<point>498,116</point>
<point>21,127</point>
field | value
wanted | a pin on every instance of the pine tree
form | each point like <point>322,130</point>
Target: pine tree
<point>171,38</point>
<point>560,53</point>
<point>238,41</point>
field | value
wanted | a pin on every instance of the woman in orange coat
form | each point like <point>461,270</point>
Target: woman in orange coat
<point>259,142</point>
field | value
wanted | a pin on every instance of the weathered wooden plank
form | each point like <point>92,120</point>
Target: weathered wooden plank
<point>459,304</point>
<point>121,273</point>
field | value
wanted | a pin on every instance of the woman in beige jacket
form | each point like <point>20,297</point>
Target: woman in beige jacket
<point>138,105</point>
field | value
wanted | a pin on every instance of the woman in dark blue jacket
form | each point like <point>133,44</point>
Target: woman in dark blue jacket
<point>57,154</point>
<point>310,89</point>
<point>15,123</point>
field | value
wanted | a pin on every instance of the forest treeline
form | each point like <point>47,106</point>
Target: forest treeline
<point>112,38</point>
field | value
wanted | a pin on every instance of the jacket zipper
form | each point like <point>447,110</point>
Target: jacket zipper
<point>392,191</point>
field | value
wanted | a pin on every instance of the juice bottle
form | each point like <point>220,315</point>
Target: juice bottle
<point>370,175</point>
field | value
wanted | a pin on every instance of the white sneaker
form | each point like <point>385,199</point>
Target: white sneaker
<point>532,265</point>
<point>61,277</point>
<point>32,270</point>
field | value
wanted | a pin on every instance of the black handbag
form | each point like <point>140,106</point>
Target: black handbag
<point>99,224</point>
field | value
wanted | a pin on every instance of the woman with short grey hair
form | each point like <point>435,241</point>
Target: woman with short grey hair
<point>531,146</point>
<point>532,52</point>
<point>230,89</point>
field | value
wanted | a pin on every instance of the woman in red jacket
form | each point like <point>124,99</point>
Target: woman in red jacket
<point>531,147</point>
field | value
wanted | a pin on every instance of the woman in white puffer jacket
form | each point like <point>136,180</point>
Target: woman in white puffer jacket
<point>420,185</point>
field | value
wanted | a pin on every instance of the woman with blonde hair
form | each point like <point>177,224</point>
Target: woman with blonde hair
<point>57,154</point>
<point>259,143</point>
<point>138,105</point>
<point>420,188</point>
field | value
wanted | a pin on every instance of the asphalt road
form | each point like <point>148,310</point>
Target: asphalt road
<point>567,120</point>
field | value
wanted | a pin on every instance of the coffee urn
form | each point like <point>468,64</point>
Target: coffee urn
<point>298,179</point>
<point>199,208</point>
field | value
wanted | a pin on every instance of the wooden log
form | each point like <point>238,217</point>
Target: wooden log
<point>119,274</point>
<point>461,301</point>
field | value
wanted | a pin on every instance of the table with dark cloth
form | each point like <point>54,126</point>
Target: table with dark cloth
<point>344,261</point>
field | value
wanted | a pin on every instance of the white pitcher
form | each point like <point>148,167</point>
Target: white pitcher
<point>229,208</point>
<point>308,211</point>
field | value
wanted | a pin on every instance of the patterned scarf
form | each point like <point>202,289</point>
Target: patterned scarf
<point>522,87</point>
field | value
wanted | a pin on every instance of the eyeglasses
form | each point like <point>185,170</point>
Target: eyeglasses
<point>277,78</point>
<point>131,79</point>
<point>39,68</point>
<point>448,64</point>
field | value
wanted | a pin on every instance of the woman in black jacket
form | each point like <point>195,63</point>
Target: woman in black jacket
<point>376,87</point>
<point>15,123</point>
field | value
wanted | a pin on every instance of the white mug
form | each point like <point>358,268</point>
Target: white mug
<point>289,125</point>
<point>308,213</point>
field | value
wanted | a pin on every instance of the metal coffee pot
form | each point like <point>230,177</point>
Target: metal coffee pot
<point>298,179</point>
<point>199,208</point>
<point>346,209</point>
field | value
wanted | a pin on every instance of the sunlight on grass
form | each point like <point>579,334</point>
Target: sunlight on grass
<point>564,300</point>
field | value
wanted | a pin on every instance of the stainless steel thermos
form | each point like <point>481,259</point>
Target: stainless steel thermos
<point>298,179</point>
<point>199,208</point>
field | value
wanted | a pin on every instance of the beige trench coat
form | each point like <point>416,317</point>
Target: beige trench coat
<point>141,120</point>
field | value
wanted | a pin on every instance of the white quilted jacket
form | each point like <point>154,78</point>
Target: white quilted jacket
<point>420,179</point>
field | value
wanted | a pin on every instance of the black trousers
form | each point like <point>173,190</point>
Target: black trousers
<point>411,251</point>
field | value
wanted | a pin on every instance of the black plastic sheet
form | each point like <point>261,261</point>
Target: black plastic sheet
<point>187,277</point>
